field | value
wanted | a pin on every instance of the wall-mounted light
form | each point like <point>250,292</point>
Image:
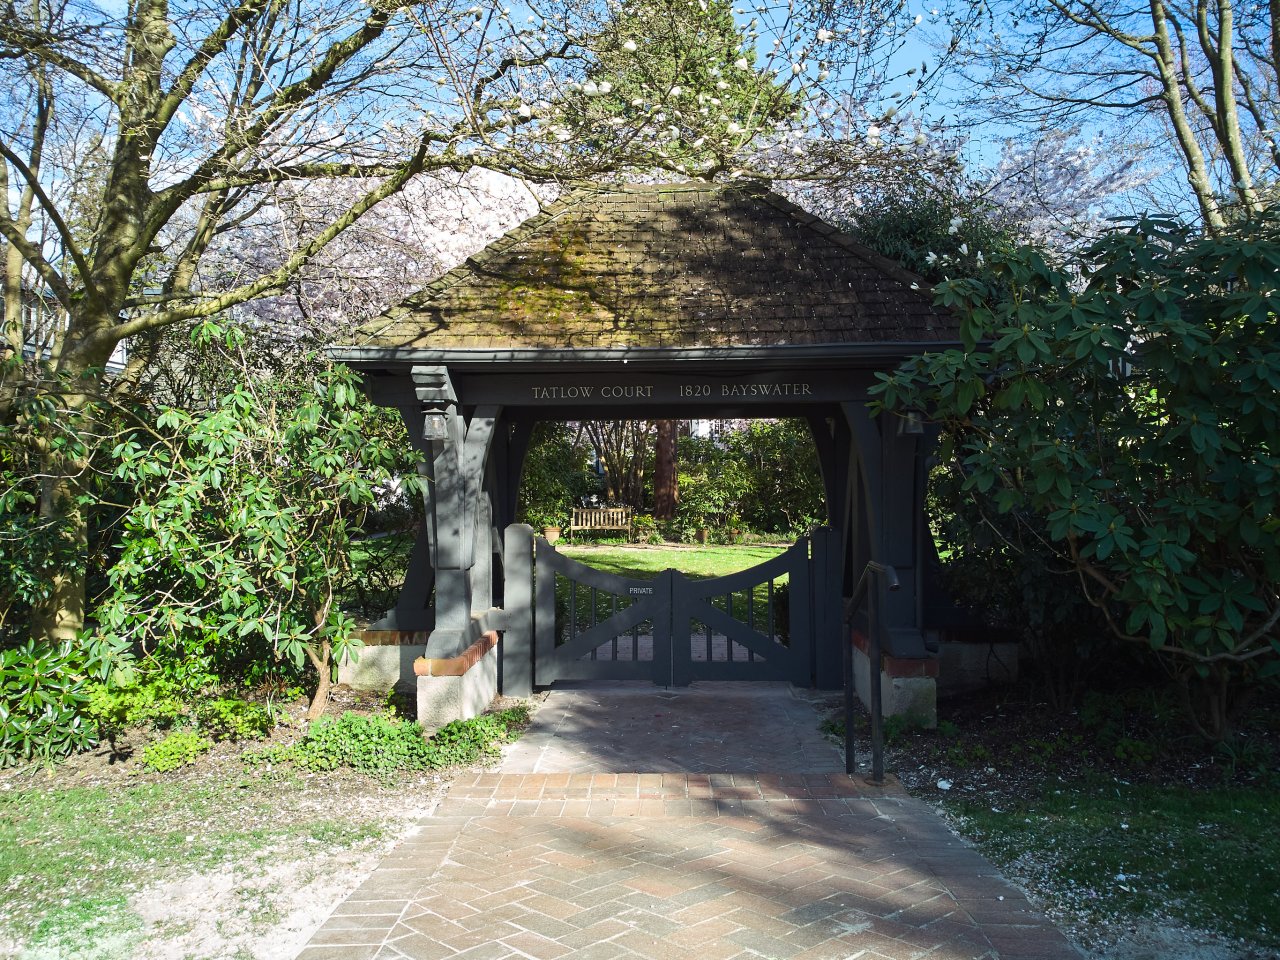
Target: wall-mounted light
<point>912,423</point>
<point>435,424</point>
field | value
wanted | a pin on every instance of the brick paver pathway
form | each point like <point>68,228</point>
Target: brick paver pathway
<point>537,862</point>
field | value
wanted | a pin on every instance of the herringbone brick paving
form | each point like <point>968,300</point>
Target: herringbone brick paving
<point>675,865</point>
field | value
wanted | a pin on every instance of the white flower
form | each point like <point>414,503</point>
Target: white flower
<point>964,249</point>
<point>741,63</point>
<point>931,258</point>
<point>676,91</point>
<point>525,111</point>
<point>824,36</point>
<point>734,127</point>
<point>637,102</point>
<point>629,46</point>
<point>954,226</point>
<point>605,86</point>
<point>981,258</point>
<point>797,69</point>
<point>918,20</point>
<point>721,85</point>
<point>873,133</point>
<point>590,88</point>
<point>823,74</point>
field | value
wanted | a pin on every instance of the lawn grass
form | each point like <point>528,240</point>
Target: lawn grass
<point>70,858</point>
<point>1209,857</point>
<point>643,561</point>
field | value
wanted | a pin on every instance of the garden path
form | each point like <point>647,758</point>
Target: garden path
<point>712,821</point>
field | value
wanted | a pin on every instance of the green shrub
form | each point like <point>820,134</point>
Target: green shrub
<point>42,702</point>
<point>235,719</point>
<point>155,702</point>
<point>645,529</point>
<point>382,745</point>
<point>1122,410</point>
<point>376,744</point>
<point>176,750</point>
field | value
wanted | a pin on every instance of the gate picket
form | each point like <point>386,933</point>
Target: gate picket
<point>754,648</point>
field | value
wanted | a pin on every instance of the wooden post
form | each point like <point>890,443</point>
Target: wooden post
<point>827,640</point>
<point>517,638</point>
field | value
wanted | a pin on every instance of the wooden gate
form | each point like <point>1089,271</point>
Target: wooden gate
<point>756,624</point>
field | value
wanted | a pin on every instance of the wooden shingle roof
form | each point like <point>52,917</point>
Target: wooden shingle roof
<point>669,265</point>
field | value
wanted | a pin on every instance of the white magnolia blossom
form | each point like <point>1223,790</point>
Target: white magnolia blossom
<point>824,36</point>
<point>734,127</point>
<point>629,46</point>
<point>741,63</point>
<point>954,226</point>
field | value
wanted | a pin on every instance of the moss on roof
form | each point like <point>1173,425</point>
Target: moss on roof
<point>668,265</point>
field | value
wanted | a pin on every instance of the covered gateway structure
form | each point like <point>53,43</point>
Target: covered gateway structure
<point>669,301</point>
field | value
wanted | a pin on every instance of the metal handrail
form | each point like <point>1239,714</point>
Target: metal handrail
<point>851,607</point>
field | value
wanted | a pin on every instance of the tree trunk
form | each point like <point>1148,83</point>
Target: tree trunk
<point>64,469</point>
<point>60,618</point>
<point>322,660</point>
<point>666,478</point>
<point>1215,703</point>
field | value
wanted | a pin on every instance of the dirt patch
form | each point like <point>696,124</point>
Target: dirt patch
<point>267,908</point>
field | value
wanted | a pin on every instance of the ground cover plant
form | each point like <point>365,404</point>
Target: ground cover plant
<point>383,745</point>
<point>1115,815</point>
<point>80,844</point>
<point>1208,857</point>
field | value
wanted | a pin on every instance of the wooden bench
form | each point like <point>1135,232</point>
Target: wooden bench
<point>601,518</point>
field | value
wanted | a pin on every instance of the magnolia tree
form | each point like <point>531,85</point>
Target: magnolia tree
<point>142,143</point>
